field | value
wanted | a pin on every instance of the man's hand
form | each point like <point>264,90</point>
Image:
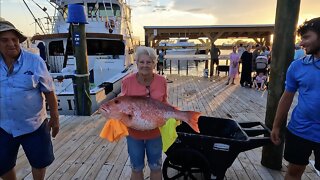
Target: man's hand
<point>275,136</point>
<point>54,125</point>
<point>54,114</point>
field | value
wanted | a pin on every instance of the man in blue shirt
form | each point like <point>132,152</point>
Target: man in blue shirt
<point>303,130</point>
<point>25,84</point>
<point>160,62</point>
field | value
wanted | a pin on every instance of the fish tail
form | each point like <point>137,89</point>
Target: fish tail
<point>193,120</point>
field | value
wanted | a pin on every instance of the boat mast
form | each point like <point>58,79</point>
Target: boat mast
<point>44,9</point>
<point>34,17</point>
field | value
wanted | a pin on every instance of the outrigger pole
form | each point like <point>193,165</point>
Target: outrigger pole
<point>44,9</point>
<point>34,17</point>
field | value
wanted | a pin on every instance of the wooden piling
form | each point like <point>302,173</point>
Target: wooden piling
<point>282,53</point>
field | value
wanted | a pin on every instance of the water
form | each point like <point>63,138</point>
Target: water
<point>195,68</point>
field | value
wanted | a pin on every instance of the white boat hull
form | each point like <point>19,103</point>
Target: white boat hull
<point>181,51</point>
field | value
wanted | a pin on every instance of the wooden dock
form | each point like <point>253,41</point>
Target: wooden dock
<point>81,154</point>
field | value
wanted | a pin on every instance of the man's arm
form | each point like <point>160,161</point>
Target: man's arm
<point>281,115</point>
<point>54,114</point>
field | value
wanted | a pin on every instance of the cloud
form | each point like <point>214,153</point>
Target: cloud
<point>170,17</point>
<point>196,10</point>
<point>231,11</point>
<point>173,12</point>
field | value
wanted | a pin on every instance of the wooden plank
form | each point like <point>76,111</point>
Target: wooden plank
<point>249,168</point>
<point>255,160</point>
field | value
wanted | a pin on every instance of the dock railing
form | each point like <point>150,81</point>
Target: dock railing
<point>183,60</point>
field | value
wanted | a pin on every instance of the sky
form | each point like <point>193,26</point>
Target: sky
<point>170,12</point>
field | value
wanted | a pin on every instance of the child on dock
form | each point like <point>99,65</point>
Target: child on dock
<point>259,81</point>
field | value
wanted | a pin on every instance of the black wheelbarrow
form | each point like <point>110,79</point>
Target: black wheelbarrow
<point>209,154</point>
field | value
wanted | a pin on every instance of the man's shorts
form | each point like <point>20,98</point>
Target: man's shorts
<point>159,64</point>
<point>298,150</point>
<point>36,145</point>
<point>137,149</point>
<point>215,61</point>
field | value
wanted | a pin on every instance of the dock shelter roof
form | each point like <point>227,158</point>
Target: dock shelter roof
<point>213,32</point>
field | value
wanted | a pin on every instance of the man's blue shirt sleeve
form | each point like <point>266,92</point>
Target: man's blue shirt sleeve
<point>291,84</point>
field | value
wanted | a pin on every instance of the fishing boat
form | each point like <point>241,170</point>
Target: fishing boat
<point>110,48</point>
<point>180,47</point>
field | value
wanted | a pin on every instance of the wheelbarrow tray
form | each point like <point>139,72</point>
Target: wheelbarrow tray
<point>217,145</point>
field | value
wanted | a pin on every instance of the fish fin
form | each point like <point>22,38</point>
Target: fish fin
<point>193,120</point>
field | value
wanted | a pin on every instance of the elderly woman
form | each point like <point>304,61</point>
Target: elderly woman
<point>145,83</point>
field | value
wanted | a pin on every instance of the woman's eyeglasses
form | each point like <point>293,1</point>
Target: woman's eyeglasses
<point>148,91</point>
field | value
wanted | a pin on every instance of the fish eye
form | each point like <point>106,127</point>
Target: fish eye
<point>116,101</point>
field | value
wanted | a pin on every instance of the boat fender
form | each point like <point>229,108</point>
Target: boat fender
<point>108,87</point>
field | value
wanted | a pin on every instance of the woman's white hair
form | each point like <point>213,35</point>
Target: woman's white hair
<point>143,50</point>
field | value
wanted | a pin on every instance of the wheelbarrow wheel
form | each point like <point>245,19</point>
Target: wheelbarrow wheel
<point>186,163</point>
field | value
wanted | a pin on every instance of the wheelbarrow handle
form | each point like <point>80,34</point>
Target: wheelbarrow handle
<point>256,132</point>
<point>247,125</point>
<point>255,142</point>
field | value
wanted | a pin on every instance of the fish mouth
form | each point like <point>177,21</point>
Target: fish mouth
<point>104,110</point>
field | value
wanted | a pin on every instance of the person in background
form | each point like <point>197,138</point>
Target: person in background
<point>299,52</point>
<point>256,52</point>
<point>42,51</point>
<point>246,60</point>
<point>145,83</point>
<point>215,53</point>
<point>265,52</point>
<point>25,84</point>
<point>259,81</point>
<point>160,62</point>
<point>241,49</point>
<point>302,136</point>
<point>234,65</point>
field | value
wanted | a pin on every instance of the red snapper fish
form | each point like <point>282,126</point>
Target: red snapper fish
<point>143,113</point>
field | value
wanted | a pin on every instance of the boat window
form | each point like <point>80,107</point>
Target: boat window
<point>56,48</point>
<point>100,10</point>
<point>105,47</point>
<point>94,47</point>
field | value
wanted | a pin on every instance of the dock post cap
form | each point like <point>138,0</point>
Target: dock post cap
<point>76,14</point>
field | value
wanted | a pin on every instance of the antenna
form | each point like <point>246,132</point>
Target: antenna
<point>44,9</point>
<point>34,17</point>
